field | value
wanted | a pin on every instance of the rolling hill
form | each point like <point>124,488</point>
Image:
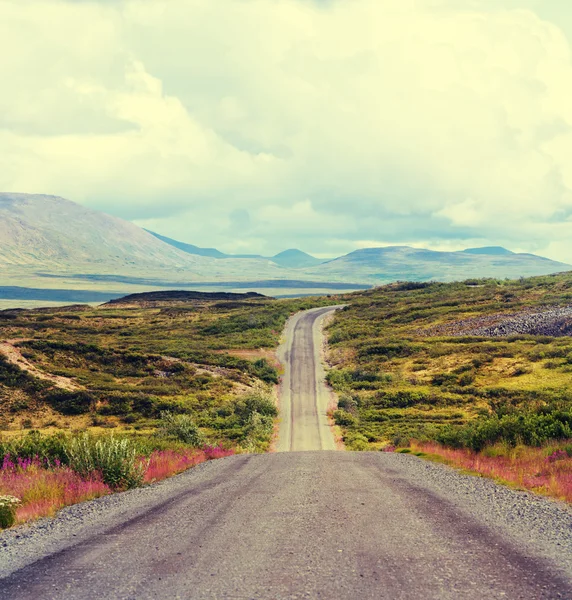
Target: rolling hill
<point>189,248</point>
<point>296,259</point>
<point>47,236</point>
<point>392,263</point>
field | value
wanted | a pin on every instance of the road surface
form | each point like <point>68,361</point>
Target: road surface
<point>304,397</point>
<point>310,524</point>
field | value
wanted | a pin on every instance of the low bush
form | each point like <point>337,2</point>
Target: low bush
<point>70,403</point>
<point>529,428</point>
<point>113,458</point>
<point>265,371</point>
<point>387,350</point>
<point>47,448</point>
<point>13,377</point>
<point>356,441</point>
<point>258,430</point>
<point>348,403</point>
<point>402,399</point>
<point>8,506</point>
<point>344,418</point>
<point>182,428</point>
<point>256,402</point>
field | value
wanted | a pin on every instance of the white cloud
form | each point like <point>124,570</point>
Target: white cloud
<point>325,123</point>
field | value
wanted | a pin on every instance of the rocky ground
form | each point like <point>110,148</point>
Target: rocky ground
<point>553,321</point>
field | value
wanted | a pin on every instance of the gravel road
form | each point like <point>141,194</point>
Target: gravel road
<point>310,524</point>
<point>304,397</point>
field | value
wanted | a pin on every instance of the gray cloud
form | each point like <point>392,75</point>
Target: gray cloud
<point>262,124</point>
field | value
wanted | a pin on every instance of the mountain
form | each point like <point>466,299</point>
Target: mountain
<point>392,263</point>
<point>189,248</point>
<point>295,259</point>
<point>47,237</point>
<point>489,250</point>
<point>47,242</point>
<point>47,231</point>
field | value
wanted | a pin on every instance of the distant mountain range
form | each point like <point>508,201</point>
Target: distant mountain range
<point>48,242</point>
<point>292,258</point>
<point>404,263</point>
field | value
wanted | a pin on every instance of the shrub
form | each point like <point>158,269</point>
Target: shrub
<point>264,371</point>
<point>403,399</point>
<point>344,418</point>
<point>259,403</point>
<point>182,428</point>
<point>466,379</point>
<point>338,379</point>
<point>14,377</point>
<point>348,403</point>
<point>8,506</point>
<point>258,430</point>
<point>35,445</point>
<point>530,428</point>
<point>356,441</point>
<point>70,403</point>
<point>387,351</point>
<point>255,413</point>
<point>521,370</point>
<point>443,379</point>
<point>114,459</point>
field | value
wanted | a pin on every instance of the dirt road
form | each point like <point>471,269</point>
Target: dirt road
<point>339,525</point>
<point>304,397</point>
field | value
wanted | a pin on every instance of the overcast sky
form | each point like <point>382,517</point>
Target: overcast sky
<point>259,125</point>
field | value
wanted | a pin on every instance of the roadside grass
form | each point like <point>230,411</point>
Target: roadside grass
<point>44,485</point>
<point>409,374</point>
<point>132,363</point>
<point>43,491</point>
<point>546,470</point>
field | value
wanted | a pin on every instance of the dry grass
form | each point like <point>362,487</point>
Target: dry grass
<point>546,470</point>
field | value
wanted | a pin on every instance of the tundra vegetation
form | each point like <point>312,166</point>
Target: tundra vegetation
<point>477,372</point>
<point>94,400</point>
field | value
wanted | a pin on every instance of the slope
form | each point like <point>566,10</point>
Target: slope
<point>189,248</point>
<point>47,237</point>
<point>295,259</point>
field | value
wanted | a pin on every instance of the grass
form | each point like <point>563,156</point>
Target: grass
<point>402,375</point>
<point>408,376</point>
<point>43,487</point>
<point>546,470</point>
<point>125,366</point>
